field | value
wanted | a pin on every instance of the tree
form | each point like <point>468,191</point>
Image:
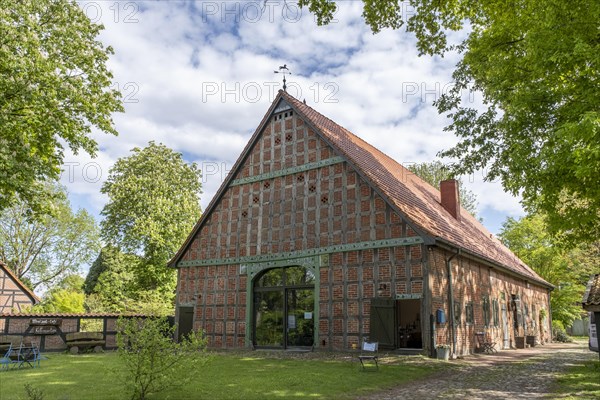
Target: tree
<point>66,297</point>
<point>111,286</point>
<point>153,205</point>
<point>109,282</point>
<point>434,172</point>
<point>54,87</point>
<point>153,361</point>
<point>42,250</point>
<point>536,65</point>
<point>529,239</point>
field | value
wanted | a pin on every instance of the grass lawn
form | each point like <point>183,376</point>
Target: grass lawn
<point>579,382</point>
<point>248,375</point>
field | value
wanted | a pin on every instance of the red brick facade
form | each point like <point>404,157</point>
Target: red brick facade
<point>293,195</point>
<point>472,282</point>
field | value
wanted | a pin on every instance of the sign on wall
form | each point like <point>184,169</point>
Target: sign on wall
<point>45,321</point>
<point>44,330</point>
<point>408,296</point>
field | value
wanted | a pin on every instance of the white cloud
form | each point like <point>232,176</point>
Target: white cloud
<point>199,82</point>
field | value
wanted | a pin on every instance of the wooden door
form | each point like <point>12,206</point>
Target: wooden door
<point>383,322</point>
<point>186,321</point>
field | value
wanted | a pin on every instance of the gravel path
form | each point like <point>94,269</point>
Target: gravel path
<point>511,374</point>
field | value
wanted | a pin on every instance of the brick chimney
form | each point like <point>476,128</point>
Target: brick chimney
<point>450,197</point>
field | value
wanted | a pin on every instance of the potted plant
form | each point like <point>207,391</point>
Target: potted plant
<point>519,338</point>
<point>443,352</point>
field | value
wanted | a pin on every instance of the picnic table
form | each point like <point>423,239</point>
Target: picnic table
<point>21,355</point>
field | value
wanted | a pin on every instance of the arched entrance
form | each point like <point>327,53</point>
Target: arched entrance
<point>284,308</point>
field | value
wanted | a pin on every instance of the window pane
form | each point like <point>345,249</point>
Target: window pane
<point>268,308</point>
<point>298,276</point>
<point>271,278</point>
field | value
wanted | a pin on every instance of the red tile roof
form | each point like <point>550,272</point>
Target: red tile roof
<point>18,282</point>
<point>416,199</point>
<point>591,297</point>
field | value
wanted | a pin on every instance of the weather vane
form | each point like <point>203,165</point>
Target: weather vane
<point>284,71</point>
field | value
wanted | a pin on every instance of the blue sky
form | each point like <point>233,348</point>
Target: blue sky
<point>198,77</point>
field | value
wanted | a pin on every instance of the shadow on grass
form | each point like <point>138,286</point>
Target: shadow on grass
<point>580,382</point>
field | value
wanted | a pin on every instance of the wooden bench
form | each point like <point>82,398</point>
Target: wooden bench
<point>80,341</point>
<point>8,341</point>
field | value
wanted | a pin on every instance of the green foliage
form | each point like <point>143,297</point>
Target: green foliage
<point>563,267</point>
<point>34,393</point>
<point>559,334</point>
<point>54,88</point>
<point>109,283</point>
<point>434,172</point>
<point>536,65</point>
<point>111,287</point>
<point>153,361</point>
<point>43,250</point>
<point>65,297</point>
<point>153,205</point>
<point>378,14</point>
<point>64,301</point>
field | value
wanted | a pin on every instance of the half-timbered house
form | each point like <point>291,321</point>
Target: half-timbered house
<point>316,239</point>
<point>14,295</point>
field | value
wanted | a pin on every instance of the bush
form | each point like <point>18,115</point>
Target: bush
<point>153,361</point>
<point>559,334</point>
<point>33,393</point>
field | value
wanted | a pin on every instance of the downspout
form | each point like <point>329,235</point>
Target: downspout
<point>451,299</point>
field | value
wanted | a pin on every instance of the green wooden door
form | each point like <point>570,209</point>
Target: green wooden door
<point>383,322</point>
<point>186,321</point>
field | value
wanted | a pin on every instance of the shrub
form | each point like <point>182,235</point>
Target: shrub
<point>559,334</point>
<point>33,393</point>
<point>153,361</point>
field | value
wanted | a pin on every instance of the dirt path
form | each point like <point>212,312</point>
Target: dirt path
<point>511,374</point>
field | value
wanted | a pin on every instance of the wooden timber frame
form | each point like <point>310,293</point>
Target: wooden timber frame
<point>305,192</point>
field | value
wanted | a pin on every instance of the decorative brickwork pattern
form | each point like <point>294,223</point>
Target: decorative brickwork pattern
<point>304,183</point>
<point>472,283</point>
<point>321,207</point>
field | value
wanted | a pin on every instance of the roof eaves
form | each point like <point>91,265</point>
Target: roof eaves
<point>23,287</point>
<point>591,296</point>
<point>491,263</point>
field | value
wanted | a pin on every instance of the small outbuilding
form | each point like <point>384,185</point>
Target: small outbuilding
<point>591,303</point>
<point>15,296</point>
<point>316,239</point>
